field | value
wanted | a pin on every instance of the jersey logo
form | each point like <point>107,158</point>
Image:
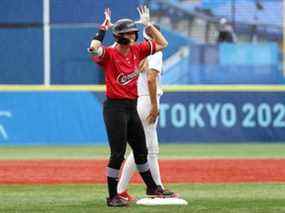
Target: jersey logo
<point>124,79</point>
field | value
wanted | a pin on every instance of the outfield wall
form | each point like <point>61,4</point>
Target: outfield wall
<point>222,116</point>
<point>73,115</point>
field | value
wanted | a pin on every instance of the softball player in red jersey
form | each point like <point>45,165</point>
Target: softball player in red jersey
<point>120,64</point>
<point>149,92</point>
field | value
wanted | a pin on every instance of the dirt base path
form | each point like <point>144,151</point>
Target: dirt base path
<point>172,171</point>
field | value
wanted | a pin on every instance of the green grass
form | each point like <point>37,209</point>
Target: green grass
<point>255,150</point>
<point>206,198</point>
<point>202,198</point>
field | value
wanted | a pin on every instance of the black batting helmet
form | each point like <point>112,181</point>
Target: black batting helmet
<point>124,26</point>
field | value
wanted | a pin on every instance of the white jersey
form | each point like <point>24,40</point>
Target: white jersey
<point>154,62</point>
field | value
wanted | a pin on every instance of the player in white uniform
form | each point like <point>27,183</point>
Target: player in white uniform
<point>149,92</point>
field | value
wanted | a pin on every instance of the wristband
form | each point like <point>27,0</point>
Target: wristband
<point>100,35</point>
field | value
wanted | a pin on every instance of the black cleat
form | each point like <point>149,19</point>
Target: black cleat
<point>116,201</point>
<point>160,193</point>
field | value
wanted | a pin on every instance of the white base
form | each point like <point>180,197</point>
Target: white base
<point>161,201</point>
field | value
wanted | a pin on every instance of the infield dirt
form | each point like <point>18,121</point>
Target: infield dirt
<point>172,171</point>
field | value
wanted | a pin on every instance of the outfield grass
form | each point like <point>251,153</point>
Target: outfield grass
<point>256,150</point>
<point>206,198</point>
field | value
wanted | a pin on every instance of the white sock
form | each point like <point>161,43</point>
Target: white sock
<point>154,168</point>
<point>127,172</point>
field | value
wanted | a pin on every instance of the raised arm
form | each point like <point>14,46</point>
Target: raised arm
<point>96,43</point>
<point>155,34</point>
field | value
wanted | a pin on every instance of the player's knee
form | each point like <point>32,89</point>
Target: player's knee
<point>116,160</point>
<point>153,150</point>
<point>152,155</point>
<point>141,158</point>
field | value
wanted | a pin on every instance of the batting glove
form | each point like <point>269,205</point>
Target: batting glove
<point>107,22</point>
<point>144,16</point>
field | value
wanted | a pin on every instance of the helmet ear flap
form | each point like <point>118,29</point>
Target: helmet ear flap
<point>137,36</point>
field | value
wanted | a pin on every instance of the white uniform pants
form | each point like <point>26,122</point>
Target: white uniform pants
<point>143,108</point>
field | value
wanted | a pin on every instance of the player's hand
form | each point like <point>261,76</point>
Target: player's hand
<point>154,113</point>
<point>143,65</point>
<point>144,16</point>
<point>107,24</point>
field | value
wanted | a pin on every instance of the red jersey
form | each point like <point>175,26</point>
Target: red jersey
<point>121,71</point>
